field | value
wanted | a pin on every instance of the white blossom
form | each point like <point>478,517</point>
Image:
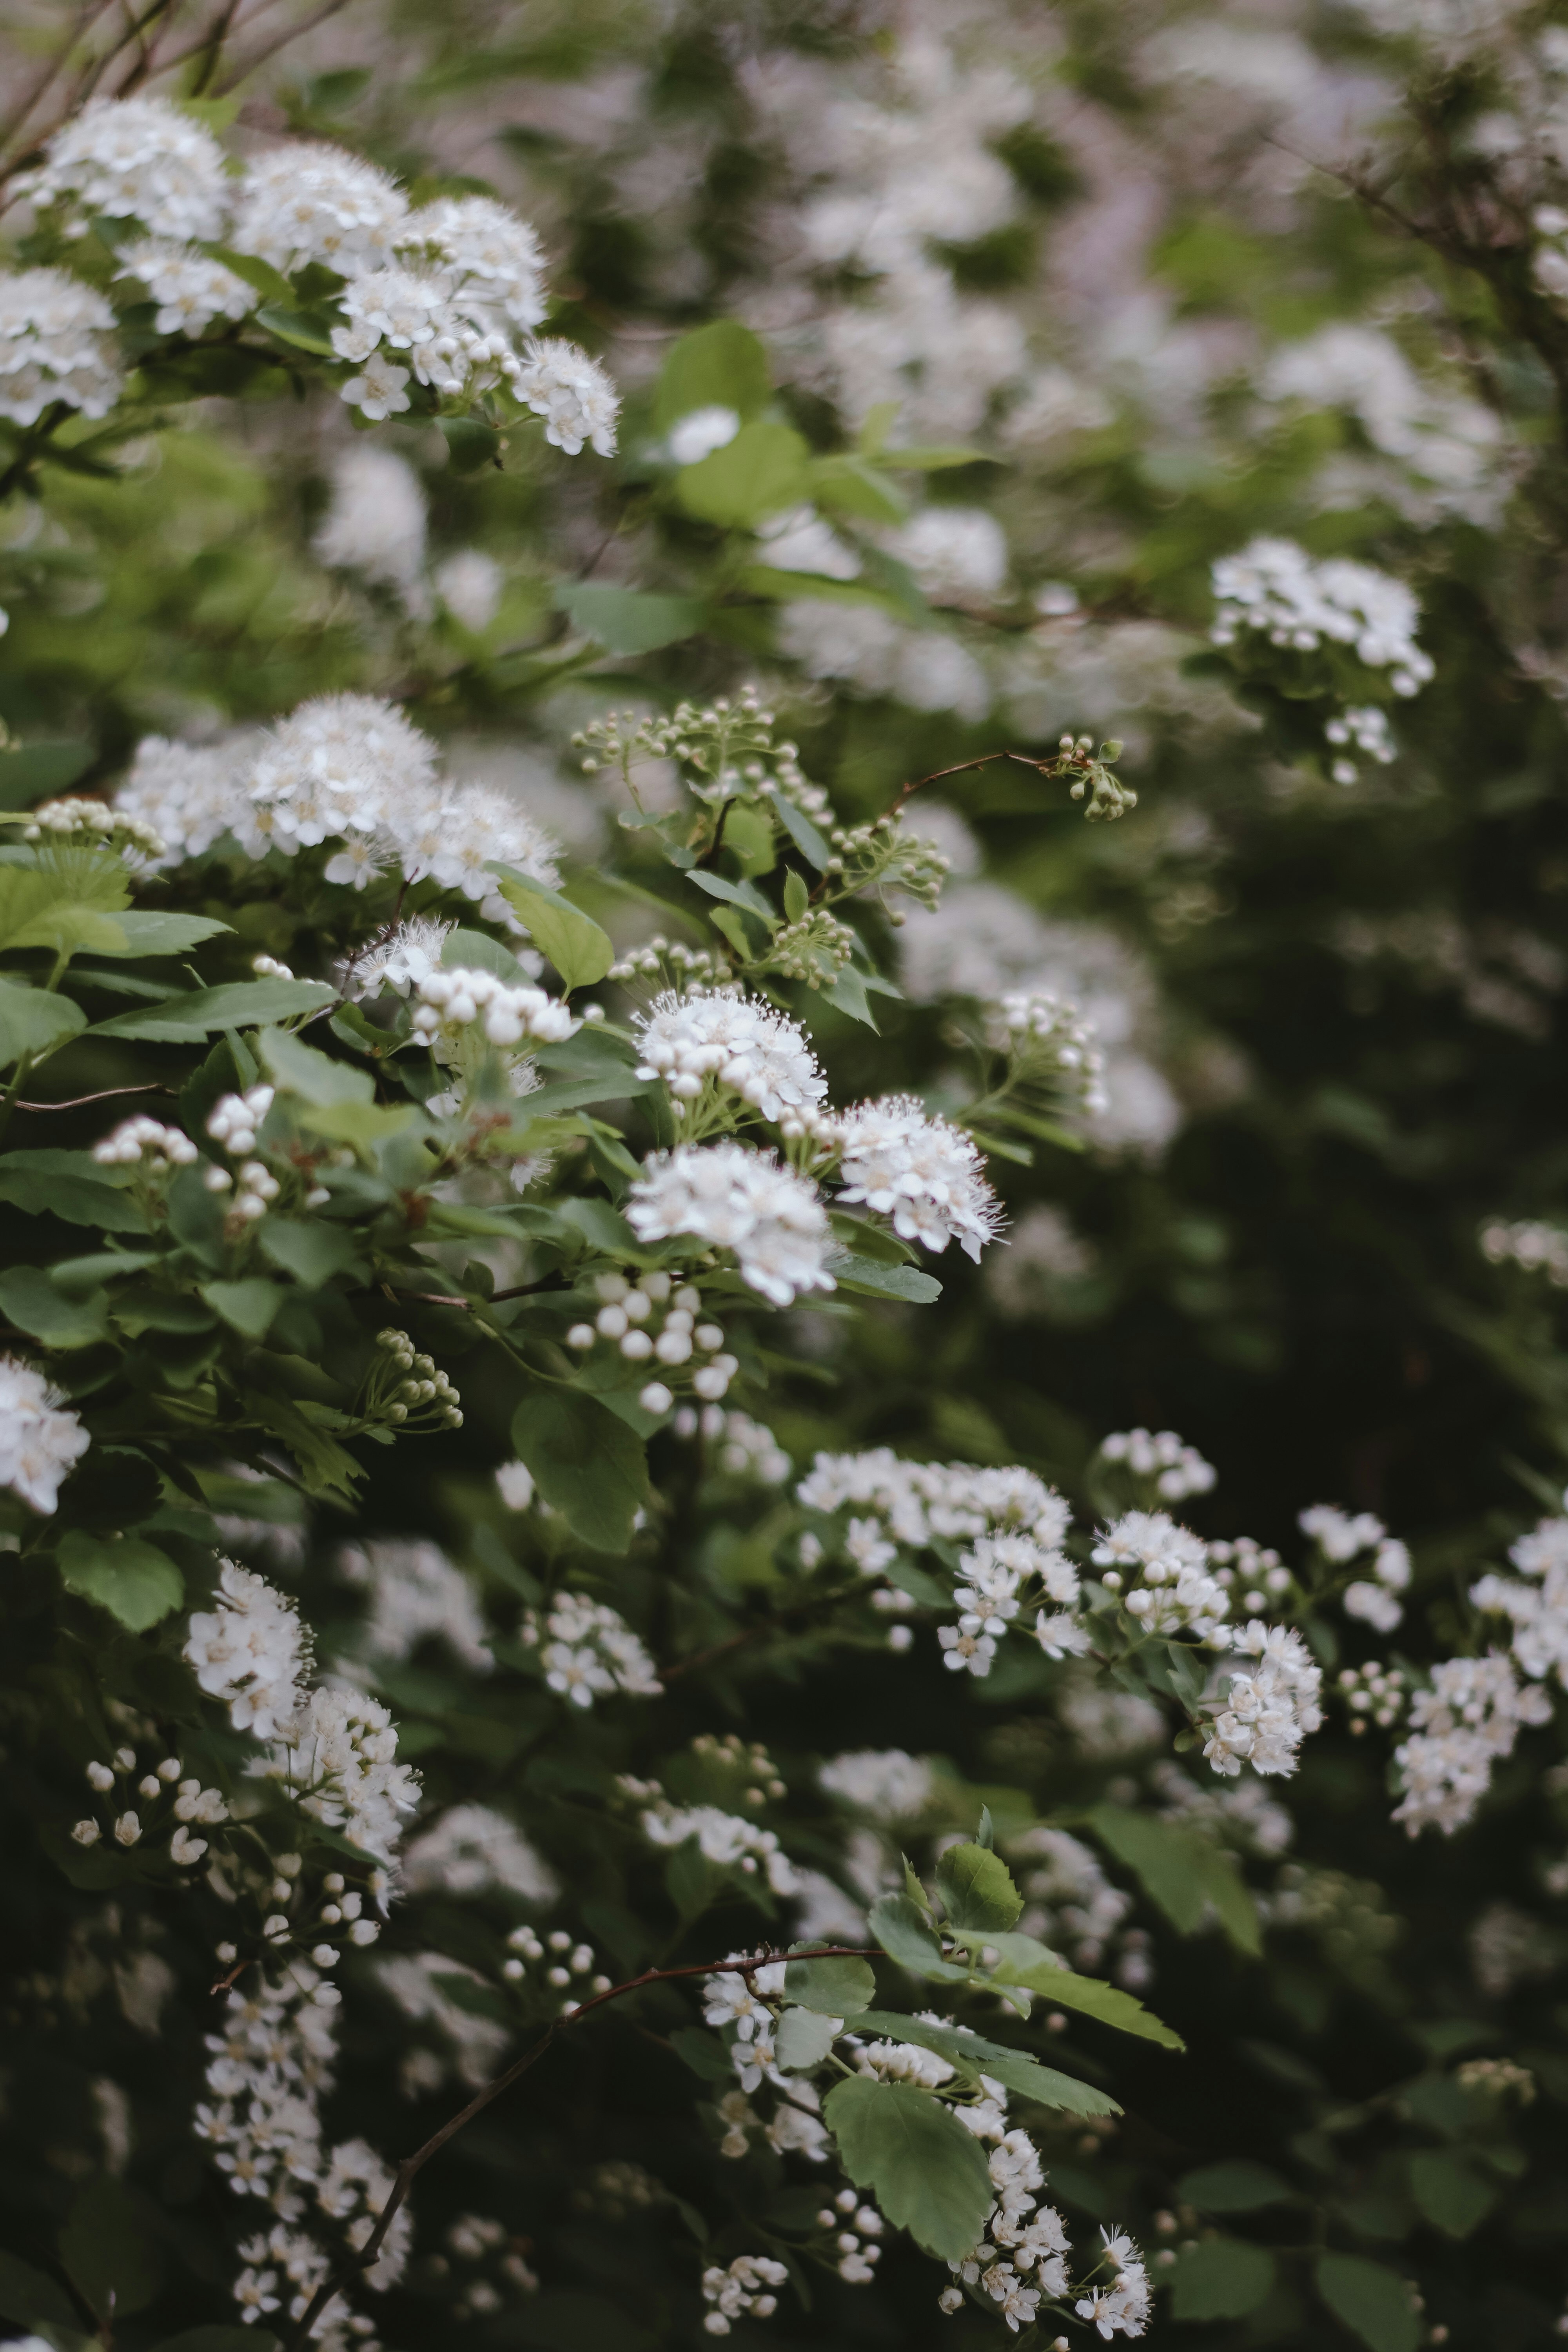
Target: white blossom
<point>740,1041</point>
<point>55,344</point>
<point>40,1441</point>
<point>883,1782</point>
<point>729,1197</point>
<point>300,204</point>
<point>248,1650</point>
<point>1460,1729</point>
<point>590,1652</point>
<point>917,1500</point>
<point>1263,1714</point>
<point>336,1753</point>
<point>374,522</point>
<point>139,158</point>
<point>190,288</point>
<point>739,2291</point>
<point>415,1594</point>
<point>1176,1469</point>
<point>1276,590</point>
<point>1538,1610</point>
<point>922,1173</point>
<point>472,1847</point>
<point>724,1839</point>
<point>471,584</point>
<point>571,392</point>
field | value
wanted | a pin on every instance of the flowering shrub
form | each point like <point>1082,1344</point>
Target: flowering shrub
<point>597,1632</point>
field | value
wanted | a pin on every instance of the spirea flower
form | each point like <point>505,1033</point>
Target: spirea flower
<point>590,1652</point>
<point>741,1040</point>
<point>55,344</point>
<point>248,1650</point>
<point>449,1001</point>
<point>40,1441</point>
<point>724,1839</point>
<point>920,1171</point>
<point>917,1500</point>
<point>1266,1712</point>
<point>336,1752</point>
<point>1539,1609</point>
<point>1469,1718</point>
<point>573,393</point>
<point>374,522</point>
<point>1176,1469</point>
<point>494,264</point>
<point>1276,590</point>
<point>139,158</point>
<point>883,1782</point>
<point>730,1197</point>
<point>189,287</point>
<point>738,2292</point>
<point>303,204</point>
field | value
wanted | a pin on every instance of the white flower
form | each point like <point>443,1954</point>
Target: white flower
<point>494,263</point>
<point>735,2293</point>
<point>1121,2309</point>
<point>1539,1610</point>
<point>730,1197</point>
<point>571,392</point>
<point>374,521</point>
<point>1275,589</point>
<point>514,1482</point>
<point>473,1847</point>
<point>1460,1727</point>
<point>1266,1714</point>
<point>248,1650</point>
<point>699,432</point>
<point>1337,1535</point>
<point>904,2062</point>
<point>137,158</point>
<point>917,1500</point>
<point>883,1782</point>
<point>40,1441</point>
<point>415,1593</point>
<point>1176,1469</point>
<point>378,390</point>
<point>303,204</point>
<point>920,1172</point>
<point>740,1041</point>
<point>958,554</point>
<point>723,1839</point>
<point>449,1001</point>
<point>190,288</point>
<point>336,1752</point>
<point>144,1143</point>
<point>55,344</point>
<point>469,585</point>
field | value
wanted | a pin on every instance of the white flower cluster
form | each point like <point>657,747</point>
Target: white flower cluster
<point>448,1001</point>
<point>1341,1537</point>
<point>1023,2236</point>
<point>726,1196</point>
<point>692,1037</point>
<point>883,1782</point>
<point>55,344</point>
<point>1469,1718</point>
<point>472,1847</point>
<point>1244,1816</point>
<point>1173,1590</point>
<point>1073,1907</point>
<point>416,1595</point>
<point>137,158</point>
<point>455,289</point>
<point>190,288</point>
<point>78,818</point>
<point>1263,1716</point>
<point>1122,2308</point>
<point>1539,1610</point>
<point>40,1441</point>
<point>909,1503</point>
<point>724,1839</point>
<point>741,2292</point>
<point>249,1651</point>
<point>1047,1034</point>
<point>1177,1470</point>
<point>744,1448</point>
<point>347,768</point>
<point>190,1802</point>
<point>922,1173</point>
<point>1537,1248</point>
<point>995,1576</point>
<point>1276,590</point>
<point>144,1143</point>
<point>570,1967</point>
<point>1366,726</point>
<point>590,1653</point>
<point>336,1755</point>
<point>650,1321</point>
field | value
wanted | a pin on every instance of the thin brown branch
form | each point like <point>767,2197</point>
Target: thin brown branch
<point>364,2259</point>
<point>86,17</point>
<point>293,33</point>
<point>76,1102</point>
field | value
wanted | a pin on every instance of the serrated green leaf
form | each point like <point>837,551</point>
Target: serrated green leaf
<point>239,1005</point>
<point>316,1078</point>
<point>803,2039</point>
<point>66,901</point>
<point>580,951</point>
<point>1373,2300</point>
<point>834,1988</point>
<point>1221,2278</point>
<point>906,1935</point>
<point>131,1578</point>
<point>1015,2068</point>
<point>976,1888</point>
<point>60,1319</point>
<point>311,1252</point>
<point>35,1021</point>
<point>588,1465</point>
<point>928,2174</point>
<point>246,1306</point>
<point>1025,1961</point>
<point>71,1185</point>
<point>148,933</point>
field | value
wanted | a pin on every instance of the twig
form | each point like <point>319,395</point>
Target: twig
<point>77,1101</point>
<point>448,1298</point>
<point>292,33</point>
<point>364,2259</point>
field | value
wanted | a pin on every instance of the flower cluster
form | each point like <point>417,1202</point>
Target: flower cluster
<point>1168,1567</point>
<point>89,820</point>
<point>744,1448</point>
<point>335,1753</point>
<point>724,1839</point>
<point>649,1321</point>
<point>922,1173</point>
<point>1538,1610</point>
<point>1177,1470</point>
<point>726,1196</point>
<point>55,344</point>
<point>249,1651</point>
<point>189,287</point>
<point>1073,1907</point>
<point>569,1966</point>
<point>1342,1537</point>
<point>417,1594</point>
<point>883,1782</point>
<point>1049,1041</point>
<point>186,1799</point>
<point>144,1143</point>
<point>589,1652</point>
<point>741,2292</point>
<point>1263,1715</point>
<point>40,1441</point>
<point>449,1002</point>
<point>407,1388</point>
<point>140,158</point>
<point>1539,1248</point>
<point>735,1041</point>
<point>1469,1718</point>
<point>998,1577</point>
<point>908,1503</point>
<point>1275,589</point>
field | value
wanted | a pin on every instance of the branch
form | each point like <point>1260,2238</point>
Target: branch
<point>403,2181</point>
<point>77,1101</point>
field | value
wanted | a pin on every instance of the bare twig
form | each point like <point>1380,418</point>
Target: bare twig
<point>76,1102</point>
<point>364,2259</point>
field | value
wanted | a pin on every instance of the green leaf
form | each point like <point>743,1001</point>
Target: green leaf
<point>978,1888</point>
<point>759,473</point>
<point>720,366</point>
<point>246,1306</point>
<point>34,1021</point>
<point>67,901</point>
<point>805,2038</point>
<point>870,1277</point>
<point>319,1079</point>
<point>628,620</point>
<point>801,831</point>
<point>1450,2195</point>
<point>70,1185</point>
<point>1235,2187</point>
<point>311,1252</point>
<point>254,272</point>
<point>846,485</point>
<point>581,952</point>
<point>32,2300</point>
<point>1015,2068</point>
<point>471,444</point>
<point>239,1005</point>
<point>308,330</point>
<point>131,1578</point>
<point>109,2253</point>
<point>29,1300</point>
<point>927,2173</point>
<point>150,933</point>
<point>1024,1961</point>
<point>835,1988</point>
<point>796,896</point>
<point>1373,2300</point>
<point>588,1465</point>
<point>34,772</point>
<point>1182,1871</point>
<point>906,1935</point>
<point>737,894</point>
<point>704,2053</point>
<point>1221,2278</point>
